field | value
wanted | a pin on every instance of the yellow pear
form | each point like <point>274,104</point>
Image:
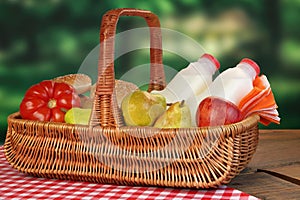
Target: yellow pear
<point>178,115</point>
<point>141,108</point>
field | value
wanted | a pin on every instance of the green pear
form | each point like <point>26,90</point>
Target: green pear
<point>78,116</point>
<point>178,115</point>
<point>141,108</point>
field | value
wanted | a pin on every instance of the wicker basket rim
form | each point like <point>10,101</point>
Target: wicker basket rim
<point>249,121</point>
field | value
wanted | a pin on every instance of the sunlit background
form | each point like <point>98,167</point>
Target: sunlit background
<point>44,39</point>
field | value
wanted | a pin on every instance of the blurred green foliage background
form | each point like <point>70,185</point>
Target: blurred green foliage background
<point>44,39</point>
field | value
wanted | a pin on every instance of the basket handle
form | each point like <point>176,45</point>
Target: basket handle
<point>104,109</point>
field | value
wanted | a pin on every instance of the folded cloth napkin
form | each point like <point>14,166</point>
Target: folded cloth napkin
<point>260,100</point>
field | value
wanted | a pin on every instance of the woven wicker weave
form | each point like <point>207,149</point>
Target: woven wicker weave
<point>106,151</point>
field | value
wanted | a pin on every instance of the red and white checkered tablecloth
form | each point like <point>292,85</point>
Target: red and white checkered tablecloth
<point>16,185</point>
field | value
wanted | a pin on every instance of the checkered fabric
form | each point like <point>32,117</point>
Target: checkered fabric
<point>16,185</point>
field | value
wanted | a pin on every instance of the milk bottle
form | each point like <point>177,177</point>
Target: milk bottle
<point>190,81</point>
<point>234,83</point>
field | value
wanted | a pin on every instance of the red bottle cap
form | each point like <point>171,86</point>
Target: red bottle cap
<point>253,64</point>
<point>212,58</point>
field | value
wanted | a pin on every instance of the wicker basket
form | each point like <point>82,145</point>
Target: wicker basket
<point>106,151</point>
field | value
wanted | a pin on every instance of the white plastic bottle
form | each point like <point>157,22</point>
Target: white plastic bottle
<point>192,80</point>
<point>234,83</point>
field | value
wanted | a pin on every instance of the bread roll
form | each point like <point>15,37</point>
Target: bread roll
<point>82,83</point>
<point>122,89</point>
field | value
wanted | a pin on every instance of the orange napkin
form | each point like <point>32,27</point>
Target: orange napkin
<point>260,100</point>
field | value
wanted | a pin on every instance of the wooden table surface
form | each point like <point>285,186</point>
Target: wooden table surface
<point>274,171</point>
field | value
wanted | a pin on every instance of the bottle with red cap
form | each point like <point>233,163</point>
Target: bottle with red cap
<point>233,83</point>
<point>191,81</point>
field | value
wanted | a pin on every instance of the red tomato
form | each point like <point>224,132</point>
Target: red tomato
<point>48,101</point>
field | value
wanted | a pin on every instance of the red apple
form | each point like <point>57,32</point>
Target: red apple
<point>214,111</point>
